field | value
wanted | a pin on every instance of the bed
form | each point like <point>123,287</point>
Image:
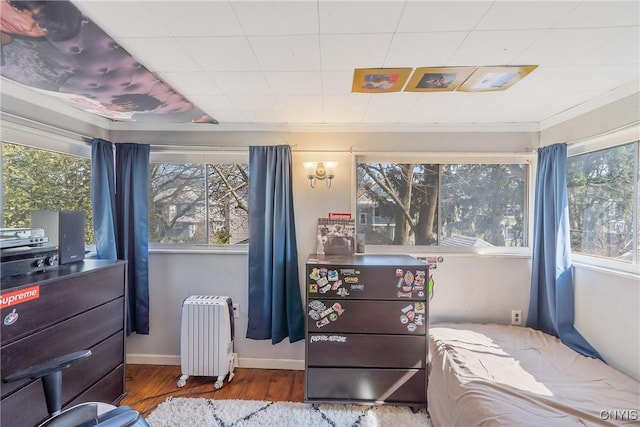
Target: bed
<point>498,375</point>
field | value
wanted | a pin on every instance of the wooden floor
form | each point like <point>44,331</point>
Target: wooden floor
<point>149,385</point>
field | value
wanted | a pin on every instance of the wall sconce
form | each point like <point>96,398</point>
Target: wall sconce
<point>320,171</point>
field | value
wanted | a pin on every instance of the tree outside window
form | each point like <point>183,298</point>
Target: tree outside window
<point>36,179</point>
<point>603,202</point>
<point>198,203</point>
<point>443,204</point>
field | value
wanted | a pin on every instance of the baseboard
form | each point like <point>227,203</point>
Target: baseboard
<point>243,362</point>
<point>152,359</point>
<point>287,364</point>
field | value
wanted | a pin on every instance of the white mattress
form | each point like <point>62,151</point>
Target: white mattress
<point>497,375</point>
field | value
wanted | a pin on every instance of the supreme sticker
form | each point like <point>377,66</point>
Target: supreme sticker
<point>20,296</point>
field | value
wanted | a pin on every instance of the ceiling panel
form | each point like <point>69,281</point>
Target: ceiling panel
<point>221,53</point>
<point>353,17</point>
<point>259,18</point>
<point>423,49</point>
<point>421,16</point>
<point>493,47</point>
<point>278,62</point>
<point>518,15</point>
<point>287,53</point>
<point>196,18</point>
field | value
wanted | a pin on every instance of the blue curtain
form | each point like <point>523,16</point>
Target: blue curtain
<point>551,307</point>
<point>275,302</point>
<point>120,207</point>
<point>103,200</point>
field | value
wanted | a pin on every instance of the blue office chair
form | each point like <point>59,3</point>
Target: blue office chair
<point>88,414</point>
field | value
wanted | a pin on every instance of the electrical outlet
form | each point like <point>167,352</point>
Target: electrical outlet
<point>236,310</point>
<point>516,317</point>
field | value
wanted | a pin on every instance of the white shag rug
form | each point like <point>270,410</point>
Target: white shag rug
<point>190,412</point>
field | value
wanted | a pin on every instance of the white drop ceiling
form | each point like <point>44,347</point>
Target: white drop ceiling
<point>257,63</point>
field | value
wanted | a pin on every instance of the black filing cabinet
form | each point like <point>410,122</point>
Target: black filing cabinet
<point>366,329</point>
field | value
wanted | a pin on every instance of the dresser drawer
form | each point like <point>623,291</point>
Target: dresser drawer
<point>401,282</point>
<point>78,333</point>
<point>61,299</point>
<point>355,316</point>
<point>367,350</point>
<point>400,386</point>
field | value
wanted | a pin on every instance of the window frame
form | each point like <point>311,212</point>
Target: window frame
<point>62,142</point>
<point>454,158</point>
<point>169,154</point>
<point>612,139</point>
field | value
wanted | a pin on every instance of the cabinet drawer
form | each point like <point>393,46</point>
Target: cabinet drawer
<point>354,316</point>
<point>109,389</point>
<point>401,386</point>
<point>403,282</point>
<point>61,299</point>
<point>75,334</point>
<point>83,374</point>
<point>362,350</point>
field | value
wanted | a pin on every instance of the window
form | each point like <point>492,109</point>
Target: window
<point>603,202</point>
<point>479,205</point>
<point>198,203</point>
<point>38,179</point>
<point>363,218</point>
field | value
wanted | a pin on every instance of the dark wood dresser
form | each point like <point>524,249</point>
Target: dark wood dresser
<point>75,307</point>
<point>366,329</point>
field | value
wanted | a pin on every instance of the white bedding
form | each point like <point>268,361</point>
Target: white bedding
<point>497,375</point>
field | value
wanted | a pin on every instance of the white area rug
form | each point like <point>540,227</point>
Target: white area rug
<point>188,412</point>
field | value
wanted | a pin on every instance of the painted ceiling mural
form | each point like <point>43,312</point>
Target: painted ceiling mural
<point>52,48</point>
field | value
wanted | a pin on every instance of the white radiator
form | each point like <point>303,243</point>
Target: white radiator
<point>206,343</point>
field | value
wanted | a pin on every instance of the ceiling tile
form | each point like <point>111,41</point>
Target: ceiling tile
<point>161,54</point>
<point>241,82</point>
<point>353,102</point>
<point>392,103</point>
<point>590,78</point>
<point>337,82</point>
<point>293,61</point>
<point>493,47</point>
<point>192,83</point>
<point>303,116</point>
<point>300,102</point>
<point>594,14</point>
<point>431,107</point>
<point>346,52</point>
<point>221,53</point>
<point>287,53</point>
<point>349,17</point>
<point>213,104</point>
<point>423,16</point>
<point>522,15</point>
<point>295,83</point>
<point>123,18</point>
<point>468,111</point>
<point>277,18</point>
<point>197,18</point>
<point>622,48</point>
<point>561,47</point>
<point>423,49</point>
<point>339,116</point>
<point>255,102</point>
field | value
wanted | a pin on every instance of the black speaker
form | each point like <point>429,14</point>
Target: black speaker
<point>64,228</point>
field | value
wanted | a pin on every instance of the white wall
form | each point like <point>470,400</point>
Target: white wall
<point>175,276</point>
<point>607,314</point>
